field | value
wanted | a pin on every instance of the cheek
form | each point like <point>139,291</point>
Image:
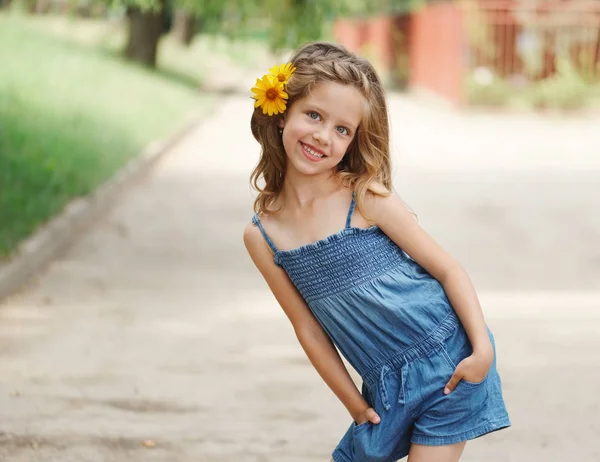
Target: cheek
<point>342,147</point>
<point>292,133</point>
<point>297,129</point>
<point>290,139</point>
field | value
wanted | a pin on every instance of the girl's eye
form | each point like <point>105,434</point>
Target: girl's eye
<point>313,115</point>
<point>343,130</point>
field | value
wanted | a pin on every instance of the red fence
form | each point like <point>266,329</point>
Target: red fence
<point>524,38</point>
<point>445,41</point>
<point>436,51</point>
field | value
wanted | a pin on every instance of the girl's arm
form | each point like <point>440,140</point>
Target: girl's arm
<point>314,340</point>
<point>395,220</point>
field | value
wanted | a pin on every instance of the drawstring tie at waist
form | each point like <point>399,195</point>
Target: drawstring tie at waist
<point>383,389</point>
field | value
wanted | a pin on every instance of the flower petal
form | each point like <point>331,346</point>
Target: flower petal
<point>262,83</point>
<point>269,92</point>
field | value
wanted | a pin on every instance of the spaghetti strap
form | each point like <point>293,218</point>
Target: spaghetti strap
<point>350,211</point>
<point>256,222</point>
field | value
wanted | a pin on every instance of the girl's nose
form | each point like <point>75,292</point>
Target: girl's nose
<point>322,136</point>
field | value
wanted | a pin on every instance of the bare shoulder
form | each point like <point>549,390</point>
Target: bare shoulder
<point>256,244</point>
<point>251,234</point>
<point>381,206</point>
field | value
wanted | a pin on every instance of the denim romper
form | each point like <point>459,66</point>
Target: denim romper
<point>392,321</point>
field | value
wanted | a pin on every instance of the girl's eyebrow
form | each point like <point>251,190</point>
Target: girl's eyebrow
<point>324,112</point>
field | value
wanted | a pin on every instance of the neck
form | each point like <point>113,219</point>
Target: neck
<point>302,190</point>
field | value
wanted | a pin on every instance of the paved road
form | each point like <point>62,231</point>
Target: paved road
<point>155,327</point>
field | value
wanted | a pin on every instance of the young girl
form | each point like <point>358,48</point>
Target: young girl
<point>399,308</point>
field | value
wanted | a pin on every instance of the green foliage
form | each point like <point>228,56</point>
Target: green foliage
<point>293,22</point>
<point>69,118</point>
<point>376,7</point>
<point>495,93</point>
<point>567,89</point>
<point>288,23</point>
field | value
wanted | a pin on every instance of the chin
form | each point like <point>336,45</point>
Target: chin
<point>307,169</point>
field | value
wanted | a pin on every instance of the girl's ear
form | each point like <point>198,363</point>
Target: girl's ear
<point>281,122</point>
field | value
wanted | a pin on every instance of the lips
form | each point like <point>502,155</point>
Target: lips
<point>311,152</point>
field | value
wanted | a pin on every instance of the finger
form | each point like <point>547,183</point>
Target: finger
<point>451,385</point>
<point>373,416</point>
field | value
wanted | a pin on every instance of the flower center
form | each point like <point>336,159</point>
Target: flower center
<point>271,94</point>
<point>281,77</point>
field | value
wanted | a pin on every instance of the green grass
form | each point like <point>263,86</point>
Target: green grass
<point>70,117</point>
<point>187,63</point>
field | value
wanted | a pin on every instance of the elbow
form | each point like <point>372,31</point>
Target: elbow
<point>310,332</point>
<point>453,272</point>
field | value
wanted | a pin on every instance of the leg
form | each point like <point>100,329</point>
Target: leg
<point>449,453</point>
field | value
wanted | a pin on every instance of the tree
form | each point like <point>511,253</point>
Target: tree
<point>185,24</point>
<point>145,27</point>
<point>289,22</point>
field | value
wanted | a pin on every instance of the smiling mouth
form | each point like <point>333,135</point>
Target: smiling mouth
<point>312,152</point>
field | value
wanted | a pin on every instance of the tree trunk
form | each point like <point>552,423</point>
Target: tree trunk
<point>145,30</point>
<point>184,27</point>
<point>42,6</point>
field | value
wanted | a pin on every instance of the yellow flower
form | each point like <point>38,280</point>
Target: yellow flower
<point>269,94</point>
<point>283,72</point>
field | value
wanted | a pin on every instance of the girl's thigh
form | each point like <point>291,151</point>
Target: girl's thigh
<point>448,453</point>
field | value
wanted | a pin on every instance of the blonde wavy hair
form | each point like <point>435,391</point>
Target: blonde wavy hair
<point>366,165</point>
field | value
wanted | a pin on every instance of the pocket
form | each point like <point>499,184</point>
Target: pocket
<point>368,445</point>
<point>368,396</point>
<point>356,428</point>
<point>456,348</point>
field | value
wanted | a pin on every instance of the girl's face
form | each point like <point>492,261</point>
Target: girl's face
<point>318,129</point>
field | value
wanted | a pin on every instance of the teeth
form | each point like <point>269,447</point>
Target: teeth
<point>312,152</point>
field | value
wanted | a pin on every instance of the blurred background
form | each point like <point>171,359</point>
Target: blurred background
<point>151,336</point>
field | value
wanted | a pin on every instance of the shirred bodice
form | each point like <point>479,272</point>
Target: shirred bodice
<point>341,261</point>
<point>371,298</point>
